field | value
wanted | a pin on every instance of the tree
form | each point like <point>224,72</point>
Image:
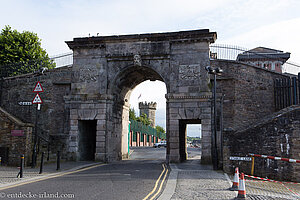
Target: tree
<point>160,129</point>
<point>144,119</point>
<point>21,53</point>
<point>132,114</point>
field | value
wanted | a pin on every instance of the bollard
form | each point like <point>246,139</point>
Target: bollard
<point>33,158</point>
<point>21,166</point>
<point>42,163</point>
<point>58,161</point>
<point>252,166</point>
<point>48,152</point>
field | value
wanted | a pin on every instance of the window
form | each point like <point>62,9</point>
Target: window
<point>267,65</point>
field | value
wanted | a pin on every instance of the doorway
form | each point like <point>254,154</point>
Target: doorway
<point>189,149</point>
<point>87,139</point>
<point>194,144</point>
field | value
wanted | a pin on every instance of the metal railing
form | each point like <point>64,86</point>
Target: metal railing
<point>287,92</point>
<point>225,51</point>
<point>230,52</point>
<point>64,59</point>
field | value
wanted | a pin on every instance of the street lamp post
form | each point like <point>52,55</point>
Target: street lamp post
<point>215,72</point>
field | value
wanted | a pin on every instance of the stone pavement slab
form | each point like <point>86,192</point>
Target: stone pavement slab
<point>202,184</point>
<point>190,180</point>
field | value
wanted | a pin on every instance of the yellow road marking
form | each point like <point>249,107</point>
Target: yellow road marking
<point>156,183</point>
<point>161,184</point>
<point>51,176</point>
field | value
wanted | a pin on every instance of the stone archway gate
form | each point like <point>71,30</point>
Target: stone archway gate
<point>106,70</point>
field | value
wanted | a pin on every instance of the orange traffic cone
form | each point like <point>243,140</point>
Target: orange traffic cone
<point>235,185</point>
<point>242,188</point>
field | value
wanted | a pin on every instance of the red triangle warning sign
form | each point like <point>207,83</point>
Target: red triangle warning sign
<point>38,87</point>
<point>37,99</point>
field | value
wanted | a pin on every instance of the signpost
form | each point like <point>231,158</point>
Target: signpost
<point>36,100</point>
<point>38,88</point>
<point>25,103</point>
<point>240,158</point>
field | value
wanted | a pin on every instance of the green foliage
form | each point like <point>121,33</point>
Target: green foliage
<point>21,53</point>
<point>132,114</point>
<point>160,129</point>
<point>144,119</point>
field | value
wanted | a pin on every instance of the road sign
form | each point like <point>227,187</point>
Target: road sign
<point>240,158</point>
<point>38,87</point>
<point>37,99</point>
<point>25,103</point>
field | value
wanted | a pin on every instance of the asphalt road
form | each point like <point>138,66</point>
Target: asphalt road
<point>194,153</point>
<point>128,179</point>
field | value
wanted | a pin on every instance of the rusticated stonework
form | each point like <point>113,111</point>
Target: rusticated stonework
<point>178,59</point>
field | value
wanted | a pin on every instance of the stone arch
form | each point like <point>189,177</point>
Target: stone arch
<point>107,68</point>
<point>129,77</point>
<point>120,88</point>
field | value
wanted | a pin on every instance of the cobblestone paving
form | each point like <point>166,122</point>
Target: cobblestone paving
<point>269,190</point>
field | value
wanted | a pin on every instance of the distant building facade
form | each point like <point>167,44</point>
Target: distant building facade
<point>148,109</point>
<point>267,58</point>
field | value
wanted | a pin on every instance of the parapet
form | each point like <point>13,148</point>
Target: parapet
<point>145,105</point>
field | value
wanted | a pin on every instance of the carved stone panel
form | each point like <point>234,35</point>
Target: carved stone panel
<point>88,75</point>
<point>189,72</point>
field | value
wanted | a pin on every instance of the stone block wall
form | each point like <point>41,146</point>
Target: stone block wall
<point>248,92</point>
<point>275,135</point>
<point>188,110</point>
<point>110,67</point>
<point>53,118</point>
<point>16,136</point>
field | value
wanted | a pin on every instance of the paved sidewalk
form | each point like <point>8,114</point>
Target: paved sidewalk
<point>8,175</point>
<point>190,180</point>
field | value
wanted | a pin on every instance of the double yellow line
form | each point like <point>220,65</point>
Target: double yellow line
<point>163,173</point>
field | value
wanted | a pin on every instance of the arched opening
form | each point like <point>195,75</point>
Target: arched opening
<point>148,142</point>
<point>121,90</point>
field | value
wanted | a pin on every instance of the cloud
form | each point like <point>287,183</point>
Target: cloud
<point>56,21</point>
<point>150,91</point>
<point>283,35</point>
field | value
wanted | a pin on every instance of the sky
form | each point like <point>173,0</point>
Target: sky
<point>251,23</point>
